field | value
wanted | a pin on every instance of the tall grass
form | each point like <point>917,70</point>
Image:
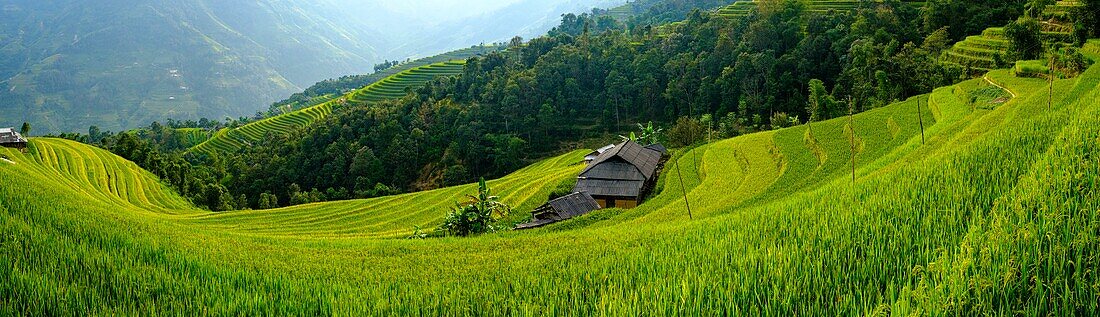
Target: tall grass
<point>996,214</point>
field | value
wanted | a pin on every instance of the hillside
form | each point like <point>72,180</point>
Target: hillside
<point>70,64</point>
<point>990,50</point>
<point>743,8</point>
<point>230,140</point>
<point>66,65</point>
<point>961,219</point>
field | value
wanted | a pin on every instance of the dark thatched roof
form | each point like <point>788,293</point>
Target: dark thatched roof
<point>657,147</point>
<point>620,172</point>
<point>566,207</point>
<point>611,188</point>
<point>9,136</point>
<point>594,154</point>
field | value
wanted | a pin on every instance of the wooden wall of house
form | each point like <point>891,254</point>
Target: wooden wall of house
<point>617,203</point>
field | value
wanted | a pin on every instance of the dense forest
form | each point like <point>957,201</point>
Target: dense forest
<point>592,76</point>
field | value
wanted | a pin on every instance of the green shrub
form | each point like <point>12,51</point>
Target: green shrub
<point>687,131</point>
<point>477,214</point>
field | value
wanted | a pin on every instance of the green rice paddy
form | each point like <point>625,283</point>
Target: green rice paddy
<point>994,212</point>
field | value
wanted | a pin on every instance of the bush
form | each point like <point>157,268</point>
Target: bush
<point>1025,39</point>
<point>1070,62</point>
<point>782,120</point>
<point>687,131</point>
<point>476,215</point>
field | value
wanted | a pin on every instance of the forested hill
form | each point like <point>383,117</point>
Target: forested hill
<point>733,74</point>
<point>66,65</point>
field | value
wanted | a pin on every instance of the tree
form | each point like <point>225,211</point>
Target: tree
<point>647,134</point>
<point>1025,40</point>
<point>1035,8</point>
<point>218,198</point>
<point>242,202</point>
<point>821,105</point>
<point>26,129</point>
<point>686,131</point>
<point>268,201</point>
<point>781,120</point>
<point>1088,19</point>
<point>477,214</point>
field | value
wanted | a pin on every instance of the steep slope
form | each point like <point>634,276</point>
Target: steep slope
<point>121,64</point>
<point>230,140</point>
<point>962,221</point>
<point>66,65</point>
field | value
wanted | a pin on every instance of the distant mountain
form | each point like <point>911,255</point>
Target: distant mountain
<point>119,64</point>
<point>525,18</point>
<point>67,64</point>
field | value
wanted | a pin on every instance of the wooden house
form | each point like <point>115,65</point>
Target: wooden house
<point>622,176</point>
<point>588,159</point>
<point>566,207</point>
<point>12,139</point>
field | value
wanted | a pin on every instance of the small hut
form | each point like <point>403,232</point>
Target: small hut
<point>11,139</point>
<point>622,176</point>
<point>566,207</point>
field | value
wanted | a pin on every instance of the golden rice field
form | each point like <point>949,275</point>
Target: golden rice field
<point>995,212</point>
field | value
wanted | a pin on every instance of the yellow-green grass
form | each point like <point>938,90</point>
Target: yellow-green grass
<point>622,12</point>
<point>193,136</point>
<point>231,140</point>
<point>1032,68</point>
<point>996,213</point>
<point>395,86</point>
<point>743,8</point>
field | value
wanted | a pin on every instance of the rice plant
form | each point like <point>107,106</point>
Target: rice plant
<point>995,214</point>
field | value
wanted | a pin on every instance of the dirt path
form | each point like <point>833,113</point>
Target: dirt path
<point>999,86</point>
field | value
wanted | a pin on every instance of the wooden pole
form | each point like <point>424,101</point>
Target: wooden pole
<point>920,117</point>
<point>1050,80</point>
<point>852,137</point>
<point>683,189</point>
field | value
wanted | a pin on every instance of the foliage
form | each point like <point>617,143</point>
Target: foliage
<point>1006,195</point>
<point>1070,62</point>
<point>268,201</point>
<point>1088,18</point>
<point>646,134</point>
<point>25,130</point>
<point>687,131</point>
<point>781,120</point>
<point>822,105</point>
<point>963,18</point>
<point>476,215</point>
<point>1024,36</point>
<point>1034,8</point>
<point>510,107</point>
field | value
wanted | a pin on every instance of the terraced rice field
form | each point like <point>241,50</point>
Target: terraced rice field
<point>622,12</point>
<point>743,8</point>
<point>193,136</point>
<point>231,140</point>
<point>394,86</point>
<point>966,220</point>
<point>988,51</point>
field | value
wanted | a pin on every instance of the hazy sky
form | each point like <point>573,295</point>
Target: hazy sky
<point>436,11</point>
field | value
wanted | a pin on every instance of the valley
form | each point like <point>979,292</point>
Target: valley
<point>823,158</point>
